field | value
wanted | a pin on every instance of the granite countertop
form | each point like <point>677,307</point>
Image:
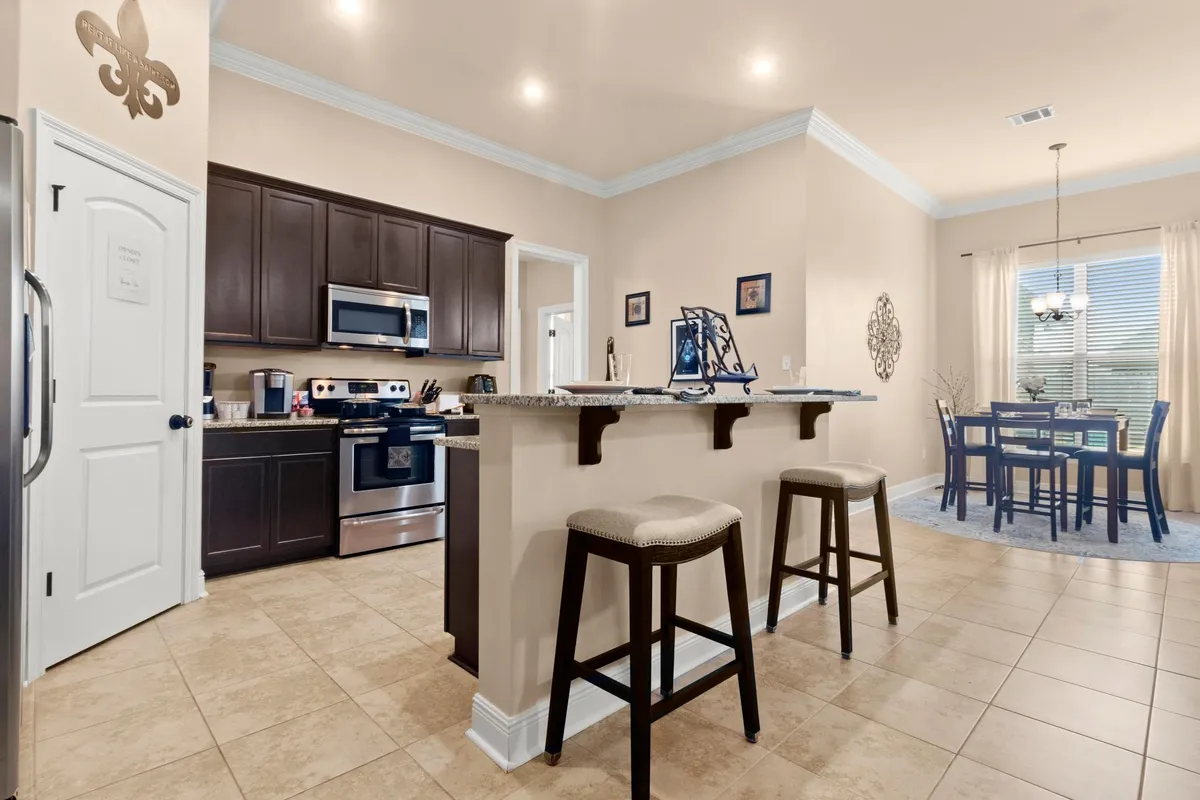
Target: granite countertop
<point>292,422</point>
<point>582,400</point>
<point>456,416</point>
<point>458,442</point>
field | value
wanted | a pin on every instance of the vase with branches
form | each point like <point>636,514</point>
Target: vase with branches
<point>953,389</point>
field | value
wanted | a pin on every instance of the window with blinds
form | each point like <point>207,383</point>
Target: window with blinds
<point>1110,354</point>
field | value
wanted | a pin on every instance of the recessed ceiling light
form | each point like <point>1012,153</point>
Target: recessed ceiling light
<point>350,6</point>
<point>533,91</point>
<point>762,67</point>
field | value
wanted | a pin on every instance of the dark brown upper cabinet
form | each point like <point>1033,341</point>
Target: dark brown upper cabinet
<point>448,255</point>
<point>273,246</point>
<point>403,266</point>
<point>293,268</point>
<point>231,288</point>
<point>352,251</point>
<point>485,298</point>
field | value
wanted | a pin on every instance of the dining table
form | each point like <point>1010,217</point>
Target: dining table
<point>1114,427</point>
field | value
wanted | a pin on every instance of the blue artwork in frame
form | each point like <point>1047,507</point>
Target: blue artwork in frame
<point>754,294</point>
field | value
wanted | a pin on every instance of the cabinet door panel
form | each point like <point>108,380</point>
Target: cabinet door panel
<point>235,524</point>
<point>293,268</point>
<point>351,251</point>
<point>402,256</point>
<point>447,291</point>
<point>232,273</point>
<point>302,495</point>
<point>485,299</point>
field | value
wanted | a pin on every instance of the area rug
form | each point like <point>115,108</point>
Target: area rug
<point>1136,543</point>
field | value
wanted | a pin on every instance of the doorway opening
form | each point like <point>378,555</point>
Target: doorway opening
<point>549,340</point>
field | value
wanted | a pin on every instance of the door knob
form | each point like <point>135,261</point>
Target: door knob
<point>178,421</point>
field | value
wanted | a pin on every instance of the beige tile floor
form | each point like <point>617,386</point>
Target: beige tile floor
<point>1013,674</point>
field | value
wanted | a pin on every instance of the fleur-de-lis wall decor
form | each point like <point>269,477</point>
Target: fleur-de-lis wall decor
<point>883,337</point>
<point>134,71</point>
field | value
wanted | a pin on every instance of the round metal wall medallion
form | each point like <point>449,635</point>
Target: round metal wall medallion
<point>884,339</point>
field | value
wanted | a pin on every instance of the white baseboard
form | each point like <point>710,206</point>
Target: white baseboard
<point>513,741</point>
<point>898,491</point>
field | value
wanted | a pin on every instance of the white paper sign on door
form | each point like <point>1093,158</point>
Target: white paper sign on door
<point>129,270</point>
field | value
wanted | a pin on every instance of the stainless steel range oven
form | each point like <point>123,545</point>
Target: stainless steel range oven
<point>391,476</point>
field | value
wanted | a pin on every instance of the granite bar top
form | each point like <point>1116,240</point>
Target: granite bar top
<point>292,422</point>
<point>456,416</point>
<point>626,400</point>
<point>458,442</point>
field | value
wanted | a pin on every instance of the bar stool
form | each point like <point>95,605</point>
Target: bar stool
<point>836,483</point>
<point>664,532</point>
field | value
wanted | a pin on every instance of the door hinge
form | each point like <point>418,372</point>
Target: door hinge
<point>49,584</point>
<point>553,333</point>
<point>57,187</point>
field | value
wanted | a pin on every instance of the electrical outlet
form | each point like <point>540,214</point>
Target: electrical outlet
<point>787,363</point>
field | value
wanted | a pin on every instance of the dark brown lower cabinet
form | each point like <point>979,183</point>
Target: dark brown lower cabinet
<point>462,556</point>
<point>268,498</point>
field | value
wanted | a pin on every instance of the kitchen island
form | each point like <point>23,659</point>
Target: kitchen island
<point>543,457</point>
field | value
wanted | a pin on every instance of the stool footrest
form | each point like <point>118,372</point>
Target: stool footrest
<point>711,634</point>
<point>867,583</point>
<point>606,683</point>
<point>858,554</point>
<point>609,656</point>
<point>694,690</point>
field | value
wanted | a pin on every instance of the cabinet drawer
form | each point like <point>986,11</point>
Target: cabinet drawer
<point>236,443</point>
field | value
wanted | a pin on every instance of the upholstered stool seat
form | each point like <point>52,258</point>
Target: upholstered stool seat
<point>836,484</point>
<point>662,532</point>
<point>839,474</point>
<point>663,520</point>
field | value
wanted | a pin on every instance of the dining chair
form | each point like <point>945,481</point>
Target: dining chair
<point>949,439</point>
<point>1145,460</point>
<point>1035,475</point>
<point>1017,429</point>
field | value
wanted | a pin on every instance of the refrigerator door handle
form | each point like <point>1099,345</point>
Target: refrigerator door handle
<point>47,436</point>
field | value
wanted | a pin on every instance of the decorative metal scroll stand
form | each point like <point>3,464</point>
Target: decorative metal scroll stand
<point>710,333</point>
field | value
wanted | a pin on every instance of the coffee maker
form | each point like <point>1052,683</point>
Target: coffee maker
<point>271,393</point>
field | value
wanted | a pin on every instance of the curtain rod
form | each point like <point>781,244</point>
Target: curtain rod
<point>1080,238</point>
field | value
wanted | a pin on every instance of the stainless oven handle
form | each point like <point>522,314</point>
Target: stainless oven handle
<point>427,437</point>
<point>401,516</point>
<point>426,429</point>
<point>407,323</point>
<point>47,436</point>
<point>361,431</point>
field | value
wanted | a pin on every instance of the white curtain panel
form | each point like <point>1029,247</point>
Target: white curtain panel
<point>994,289</point>
<point>1179,366</point>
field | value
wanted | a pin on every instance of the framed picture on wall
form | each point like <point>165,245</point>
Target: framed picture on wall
<point>685,357</point>
<point>754,294</point>
<point>637,309</point>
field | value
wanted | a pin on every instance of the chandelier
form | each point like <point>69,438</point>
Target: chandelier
<point>1049,306</point>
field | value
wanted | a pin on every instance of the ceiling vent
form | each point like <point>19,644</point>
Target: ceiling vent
<point>1035,115</point>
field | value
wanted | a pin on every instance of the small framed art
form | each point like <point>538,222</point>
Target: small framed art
<point>637,309</point>
<point>754,294</point>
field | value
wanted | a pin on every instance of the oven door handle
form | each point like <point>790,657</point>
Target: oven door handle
<point>400,516</point>
<point>363,431</point>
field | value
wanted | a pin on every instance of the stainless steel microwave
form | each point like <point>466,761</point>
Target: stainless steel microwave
<point>376,318</point>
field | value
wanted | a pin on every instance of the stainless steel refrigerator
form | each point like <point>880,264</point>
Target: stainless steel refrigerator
<point>15,391</point>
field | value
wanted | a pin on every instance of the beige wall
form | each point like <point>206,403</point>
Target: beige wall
<point>1140,205</point>
<point>59,77</point>
<point>543,283</point>
<point>260,128</point>
<point>687,240</point>
<point>864,240</point>
<point>10,31</point>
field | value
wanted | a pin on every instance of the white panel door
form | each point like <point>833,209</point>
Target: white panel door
<point>562,348</point>
<point>112,496</point>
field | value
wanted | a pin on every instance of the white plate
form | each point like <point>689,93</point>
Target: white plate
<point>600,387</point>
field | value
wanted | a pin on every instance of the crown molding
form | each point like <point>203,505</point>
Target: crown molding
<point>1110,180</point>
<point>837,139</point>
<point>796,124</point>
<point>806,121</point>
<point>252,65</point>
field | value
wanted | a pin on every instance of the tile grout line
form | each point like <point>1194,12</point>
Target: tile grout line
<point>1150,711</point>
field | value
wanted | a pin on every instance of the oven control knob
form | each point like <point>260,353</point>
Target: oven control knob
<point>320,387</point>
<point>332,387</point>
<point>393,388</point>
